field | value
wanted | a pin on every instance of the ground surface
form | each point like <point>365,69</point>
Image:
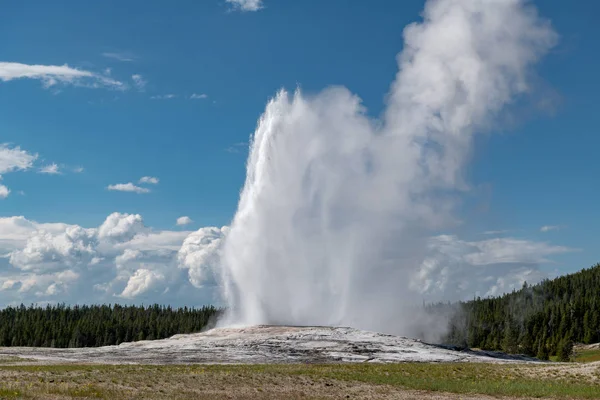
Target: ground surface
<point>275,362</point>
<point>587,352</point>
<point>292,381</point>
<point>263,345</point>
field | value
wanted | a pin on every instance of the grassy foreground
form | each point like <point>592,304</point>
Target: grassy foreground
<point>374,381</point>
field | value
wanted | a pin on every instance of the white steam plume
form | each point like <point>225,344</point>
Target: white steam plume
<point>333,218</point>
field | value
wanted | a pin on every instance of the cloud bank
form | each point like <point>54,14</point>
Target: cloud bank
<point>121,258</point>
<point>124,260</point>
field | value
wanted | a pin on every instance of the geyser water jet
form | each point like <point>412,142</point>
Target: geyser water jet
<point>337,207</point>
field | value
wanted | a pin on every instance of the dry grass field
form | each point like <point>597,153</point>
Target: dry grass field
<point>342,381</point>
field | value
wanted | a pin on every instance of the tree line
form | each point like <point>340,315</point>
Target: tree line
<point>542,320</point>
<point>98,325</point>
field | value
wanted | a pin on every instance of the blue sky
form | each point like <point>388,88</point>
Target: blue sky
<point>536,168</point>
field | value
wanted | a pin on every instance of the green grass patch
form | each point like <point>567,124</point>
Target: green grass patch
<point>503,380</point>
<point>88,391</point>
<point>586,356</point>
<point>9,393</point>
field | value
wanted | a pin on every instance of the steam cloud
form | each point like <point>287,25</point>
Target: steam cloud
<point>337,207</point>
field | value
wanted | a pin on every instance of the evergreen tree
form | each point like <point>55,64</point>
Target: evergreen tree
<point>564,350</point>
<point>89,326</point>
<point>538,320</point>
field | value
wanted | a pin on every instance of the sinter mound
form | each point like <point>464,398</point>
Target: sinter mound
<point>265,344</point>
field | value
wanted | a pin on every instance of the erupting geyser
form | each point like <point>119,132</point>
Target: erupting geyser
<point>337,206</point>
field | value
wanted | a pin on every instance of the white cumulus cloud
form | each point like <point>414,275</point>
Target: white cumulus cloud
<point>39,285</point>
<point>47,251</point>
<point>69,262</point>
<point>14,232</point>
<point>149,179</point>
<point>141,281</point>
<point>246,5</point>
<point>185,220</point>
<point>15,159</point>
<point>121,227</point>
<point>128,187</point>
<point>122,257</point>
<point>128,255</point>
<point>139,81</point>
<point>199,254</point>
<point>456,269</point>
<point>509,250</point>
<point>51,169</point>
